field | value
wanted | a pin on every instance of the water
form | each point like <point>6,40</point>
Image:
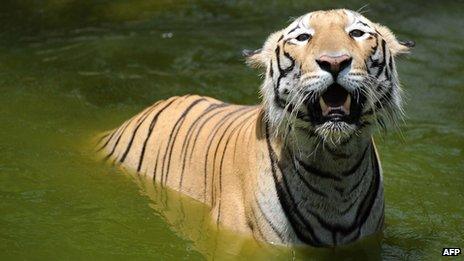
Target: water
<point>69,70</point>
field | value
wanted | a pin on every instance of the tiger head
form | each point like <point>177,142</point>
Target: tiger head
<point>331,73</point>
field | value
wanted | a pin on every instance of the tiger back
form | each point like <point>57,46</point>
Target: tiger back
<point>192,144</point>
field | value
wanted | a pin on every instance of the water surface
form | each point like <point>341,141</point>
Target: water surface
<point>69,70</point>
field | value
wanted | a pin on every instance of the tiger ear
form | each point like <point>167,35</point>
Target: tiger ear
<point>260,58</point>
<point>397,47</point>
<point>254,59</point>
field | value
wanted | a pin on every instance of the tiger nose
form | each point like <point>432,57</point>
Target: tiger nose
<point>334,64</point>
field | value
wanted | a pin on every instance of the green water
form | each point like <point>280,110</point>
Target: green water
<point>71,69</point>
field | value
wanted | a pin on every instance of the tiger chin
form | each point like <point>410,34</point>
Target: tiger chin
<point>300,168</point>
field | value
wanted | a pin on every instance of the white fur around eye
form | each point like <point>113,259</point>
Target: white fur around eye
<point>292,37</point>
<point>296,41</point>
<point>361,26</point>
<point>362,37</point>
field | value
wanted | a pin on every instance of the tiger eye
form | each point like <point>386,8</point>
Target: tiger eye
<point>356,33</point>
<point>303,37</point>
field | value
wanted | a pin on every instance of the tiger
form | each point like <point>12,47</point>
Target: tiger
<point>301,167</point>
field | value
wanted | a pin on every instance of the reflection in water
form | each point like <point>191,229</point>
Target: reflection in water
<point>191,219</point>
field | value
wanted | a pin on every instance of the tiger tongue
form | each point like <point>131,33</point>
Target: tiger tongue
<point>333,108</point>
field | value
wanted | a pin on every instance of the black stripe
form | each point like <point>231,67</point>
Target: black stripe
<point>305,182</point>
<point>356,166</point>
<point>188,137</point>
<point>140,121</point>
<point>155,169</point>
<point>191,129</point>
<point>368,201</point>
<point>281,103</point>
<point>223,155</point>
<point>363,210</point>
<point>297,221</point>
<point>121,132</point>
<point>125,124</point>
<point>317,172</point>
<point>172,139</point>
<point>235,146</point>
<point>382,64</point>
<point>292,64</point>
<point>328,175</point>
<point>344,211</point>
<point>252,226</point>
<point>390,62</point>
<point>381,219</point>
<point>199,131</point>
<point>355,186</point>
<point>336,153</point>
<point>271,70</point>
<point>108,140</point>
<point>291,31</point>
<point>360,22</point>
<point>389,68</point>
<point>382,123</point>
<point>150,130</point>
<point>211,138</point>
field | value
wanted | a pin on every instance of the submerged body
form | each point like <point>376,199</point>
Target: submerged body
<point>301,167</point>
<point>223,155</point>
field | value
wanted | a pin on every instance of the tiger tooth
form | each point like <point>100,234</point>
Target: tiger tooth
<point>347,104</point>
<point>324,107</point>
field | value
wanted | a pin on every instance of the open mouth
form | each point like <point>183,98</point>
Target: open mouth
<point>336,104</point>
